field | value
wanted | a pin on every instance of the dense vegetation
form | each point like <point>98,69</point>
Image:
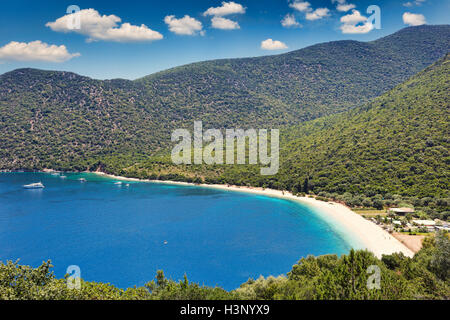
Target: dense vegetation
<point>64,121</point>
<point>301,85</point>
<point>391,151</point>
<point>425,276</point>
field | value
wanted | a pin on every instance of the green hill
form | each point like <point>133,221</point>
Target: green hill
<point>301,85</point>
<point>64,121</point>
<point>396,147</point>
<point>399,143</point>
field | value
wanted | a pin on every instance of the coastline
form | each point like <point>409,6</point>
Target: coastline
<point>352,226</point>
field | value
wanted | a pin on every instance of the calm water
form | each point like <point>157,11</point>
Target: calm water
<point>122,235</point>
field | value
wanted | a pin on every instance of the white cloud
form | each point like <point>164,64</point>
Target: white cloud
<point>290,22</point>
<point>353,18</point>
<point>270,44</point>
<point>414,3</point>
<point>35,51</point>
<point>184,26</point>
<point>318,14</point>
<point>98,27</point>
<point>357,29</point>
<point>302,6</point>
<point>355,23</point>
<point>345,7</point>
<point>227,8</point>
<point>413,19</point>
<point>310,14</point>
<point>224,23</point>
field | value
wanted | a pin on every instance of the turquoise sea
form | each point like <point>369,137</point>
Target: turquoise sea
<point>123,234</point>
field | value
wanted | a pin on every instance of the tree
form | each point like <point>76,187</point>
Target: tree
<point>306,185</point>
<point>441,257</point>
<point>378,204</point>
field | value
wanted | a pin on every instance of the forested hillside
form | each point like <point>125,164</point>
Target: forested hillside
<point>64,121</point>
<point>301,85</point>
<point>396,145</point>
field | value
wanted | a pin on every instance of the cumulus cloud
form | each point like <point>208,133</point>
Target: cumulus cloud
<point>184,26</point>
<point>103,27</point>
<point>414,3</point>
<point>218,21</point>
<point>290,22</point>
<point>302,6</point>
<point>224,23</point>
<point>413,19</point>
<point>345,7</point>
<point>310,13</point>
<point>357,29</point>
<point>318,14</point>
<point>227,8</point>
<point>353,18</point>
<point>35,51</point>
<point>270,44</point>
<point>355,23</point>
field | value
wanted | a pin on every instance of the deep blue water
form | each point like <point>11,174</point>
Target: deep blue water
<point>123,235</point>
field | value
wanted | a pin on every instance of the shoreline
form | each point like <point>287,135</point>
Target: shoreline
<point>353,227</point>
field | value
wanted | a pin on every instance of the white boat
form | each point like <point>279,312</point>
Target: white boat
<point>38,185</point>
<point>118,183</point>
<point>62,177</point>
<point>82,180</point>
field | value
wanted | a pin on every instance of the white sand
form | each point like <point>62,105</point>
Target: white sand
<point>369,235</point>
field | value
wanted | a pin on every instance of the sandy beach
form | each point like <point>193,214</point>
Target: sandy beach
<point>355,227</point>
<point>413,242</point>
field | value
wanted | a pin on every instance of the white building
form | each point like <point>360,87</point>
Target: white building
<point>426,223</point>
<point>401,211</point>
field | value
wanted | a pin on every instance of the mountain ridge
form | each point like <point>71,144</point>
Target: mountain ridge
<point>397,144</point>
<point>67,121</point>
<point>403,30</point>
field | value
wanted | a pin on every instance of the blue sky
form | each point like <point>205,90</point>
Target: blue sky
<point>119,46</point>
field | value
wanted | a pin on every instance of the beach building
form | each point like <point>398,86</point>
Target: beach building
<point>401,211</point>
<point>430,225</point>
<point>426,223</point>
<point>444,227</point>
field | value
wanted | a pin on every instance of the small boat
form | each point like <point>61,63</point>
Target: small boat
<point>38,185</point>
<point>118,183</point>
<point>62,177</point>
<point>82,180</point>
<point>165,242</point>
<point>127,185</point>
